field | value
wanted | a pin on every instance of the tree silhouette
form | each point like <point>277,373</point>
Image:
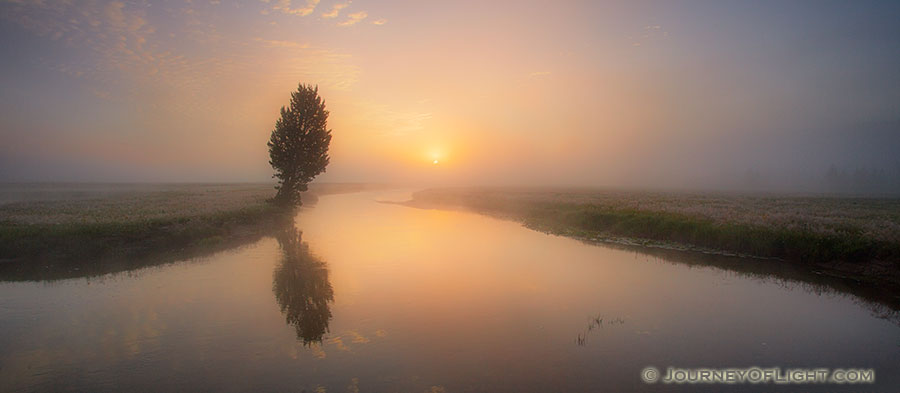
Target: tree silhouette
<point>298,146</point>
<point>301,287</point>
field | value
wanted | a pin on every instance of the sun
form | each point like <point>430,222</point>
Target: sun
<point>435,162</point>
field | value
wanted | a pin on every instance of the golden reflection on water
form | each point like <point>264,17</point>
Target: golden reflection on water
<point>383,297</point>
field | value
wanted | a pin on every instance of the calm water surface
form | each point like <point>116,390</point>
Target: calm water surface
<point>385,298</point>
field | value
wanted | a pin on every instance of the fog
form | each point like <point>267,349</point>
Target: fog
<point>716,96</point>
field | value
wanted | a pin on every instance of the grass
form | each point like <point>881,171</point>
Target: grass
<point>127,221</point>
<point>124,238</point>
<point>825,232</point>
<point>756,240</point>
<point>72,221</point>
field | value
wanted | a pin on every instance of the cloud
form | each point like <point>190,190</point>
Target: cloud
<point>649,35</point>
<point>328,67</point>
<point>335,10</point>
<point>284,6</point>
<point>392,123</point>
<point>121,54</point>
<point>379,22</point>
<point>282,44</point>
<point>117,37</point>
<point>354,18</point>
<point>169,71</point>
<point>537,74</point>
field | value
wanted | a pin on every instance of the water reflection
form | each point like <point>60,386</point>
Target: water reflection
<point>160,255</point>
<point>302,288</point>
<point>596,323</point>
<point>881,301</point>
<point>427,299</point>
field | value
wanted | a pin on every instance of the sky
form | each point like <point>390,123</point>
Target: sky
<point>668,94</point>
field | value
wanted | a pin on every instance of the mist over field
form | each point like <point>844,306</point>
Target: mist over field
<point>688,95</point>
<point>449,196</point>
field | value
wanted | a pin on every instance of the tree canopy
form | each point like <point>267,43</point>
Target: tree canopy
<point>298,146</point>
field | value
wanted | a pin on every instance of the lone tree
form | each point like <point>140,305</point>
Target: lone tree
<point>298,147</point>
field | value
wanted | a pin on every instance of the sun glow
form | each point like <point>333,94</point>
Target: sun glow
<point>435,155</point>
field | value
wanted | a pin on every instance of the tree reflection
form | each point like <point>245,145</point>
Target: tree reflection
<point>301,287</point>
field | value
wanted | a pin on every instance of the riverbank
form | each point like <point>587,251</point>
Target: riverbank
<point>850,238</point>
<point>97,222</point>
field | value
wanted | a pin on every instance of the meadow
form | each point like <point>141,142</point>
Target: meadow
<point>852,237</point>
<point>91,221</point>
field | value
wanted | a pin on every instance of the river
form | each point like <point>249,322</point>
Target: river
<point>368,296</point>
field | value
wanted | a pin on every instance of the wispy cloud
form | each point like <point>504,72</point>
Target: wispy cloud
<point>118,38</point>
<point>125,54</point>
<point>391,122</point>
<point>328,67</point>
<point>650,34</point>
<point>538,74</point>
<point>354,18</point>
<point>282,44</point>
<point>379,22</point>
<point>335,10</point>
<point>284,6</point>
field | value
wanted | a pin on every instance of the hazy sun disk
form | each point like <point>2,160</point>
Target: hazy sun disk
<point>434,162</point>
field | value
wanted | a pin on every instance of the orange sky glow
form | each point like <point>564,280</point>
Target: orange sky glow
<point>470,92</point>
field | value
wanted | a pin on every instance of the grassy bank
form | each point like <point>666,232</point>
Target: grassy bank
<point>69,222</point>
<point>127,238</point>
<point>118,221</point>
<point>851,237</point>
